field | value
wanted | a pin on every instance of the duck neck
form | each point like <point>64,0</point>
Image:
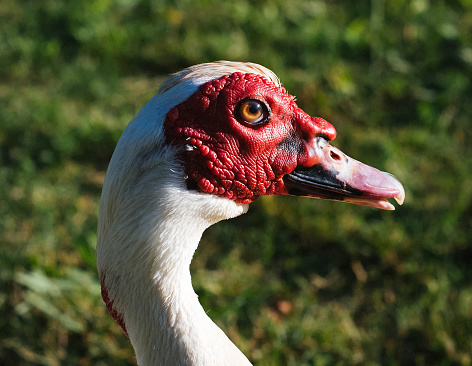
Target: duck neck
<point>156,301</point>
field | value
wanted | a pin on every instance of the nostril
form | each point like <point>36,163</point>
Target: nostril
<point>334,155</point>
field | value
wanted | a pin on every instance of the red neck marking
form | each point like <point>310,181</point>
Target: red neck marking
<point>109,304</point>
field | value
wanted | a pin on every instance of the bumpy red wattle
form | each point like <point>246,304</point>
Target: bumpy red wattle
<point>233,160</point>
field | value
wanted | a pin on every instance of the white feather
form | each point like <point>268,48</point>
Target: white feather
<point>149,228</point>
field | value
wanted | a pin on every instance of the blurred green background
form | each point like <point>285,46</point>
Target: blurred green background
<point>294,281</point>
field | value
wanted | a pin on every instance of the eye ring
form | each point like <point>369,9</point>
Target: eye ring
<point>252,112</point>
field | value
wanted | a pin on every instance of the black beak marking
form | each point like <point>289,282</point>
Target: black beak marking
<point>302,182</point>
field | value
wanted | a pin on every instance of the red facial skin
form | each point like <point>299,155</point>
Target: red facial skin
<point>231,159</point>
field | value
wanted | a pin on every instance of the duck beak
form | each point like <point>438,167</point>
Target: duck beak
<point>335,176</point>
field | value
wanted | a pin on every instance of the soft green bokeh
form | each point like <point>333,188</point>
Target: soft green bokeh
<point>295,281</point>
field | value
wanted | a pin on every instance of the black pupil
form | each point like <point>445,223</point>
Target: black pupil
<point>254,108</point>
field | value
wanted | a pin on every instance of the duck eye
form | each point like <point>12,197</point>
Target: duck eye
<point>252,112</point>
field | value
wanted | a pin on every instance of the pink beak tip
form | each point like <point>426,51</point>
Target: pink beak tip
<point>400,197</point>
